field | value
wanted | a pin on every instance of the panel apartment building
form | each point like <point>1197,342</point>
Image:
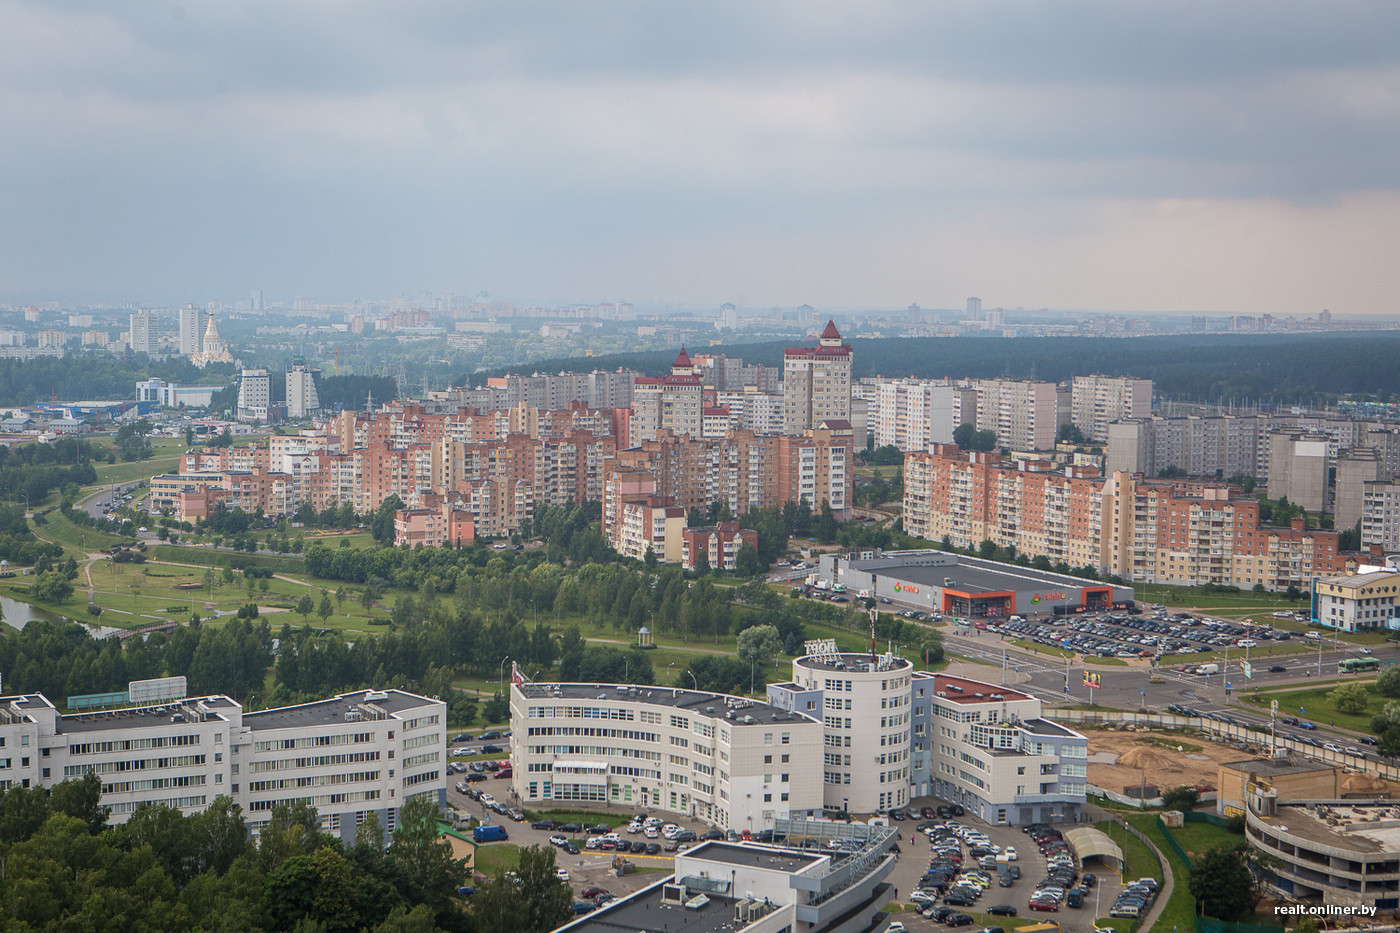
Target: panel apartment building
<point>1177,531</point>
<point>1097,400</point>
<point>353,757</point>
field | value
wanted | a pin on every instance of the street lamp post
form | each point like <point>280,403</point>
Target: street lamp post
<point>668,671</point>
<point>503,675</point>
<point>693,680</point>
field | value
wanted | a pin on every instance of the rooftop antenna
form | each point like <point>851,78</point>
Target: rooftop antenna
<point>874,614</point>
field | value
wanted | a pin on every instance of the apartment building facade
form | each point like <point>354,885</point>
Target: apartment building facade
<point>1097,400</point>
<point>673,403</point>
<point>353,757</point>
<point>816,383</point>
<point>1025,415</point>
<point>1177,531</point>
<point>719,545</point>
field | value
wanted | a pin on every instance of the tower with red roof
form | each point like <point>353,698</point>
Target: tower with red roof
<point>817,382</point>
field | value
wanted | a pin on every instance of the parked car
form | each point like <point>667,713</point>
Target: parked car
<point>492,750</point>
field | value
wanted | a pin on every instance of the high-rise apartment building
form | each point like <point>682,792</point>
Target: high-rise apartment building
<point>673,403</point>
<point>254,394</point>
<point>303,390</point>
<point>145,332</point>
<point>817,383</point>
<point>1097,400</point>
<point>192,323</point>
<point>1025,415</point>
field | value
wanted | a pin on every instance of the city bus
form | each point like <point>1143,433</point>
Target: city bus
<point>1357,665</point>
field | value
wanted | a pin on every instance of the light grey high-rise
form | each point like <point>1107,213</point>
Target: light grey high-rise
<point>193,322</point>
<point>145,332</point>
<point>303,390</point>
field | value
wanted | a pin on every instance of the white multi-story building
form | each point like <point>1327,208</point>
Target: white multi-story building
<point>1024,415</point>
<point>1096,400</point>
<point>893,734</point>
<point>1358,601</point>
<point>817,383</point>
<point>193,321</point>
<point>254,394</point>
<point>914,414</point>
<point>303,390</point>
<point>353,757</point>
<point>144,332</point>
<point>1380,515</point>
<point>726,760</point>
<point>865,713</point>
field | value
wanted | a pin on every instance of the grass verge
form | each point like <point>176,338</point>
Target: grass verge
<point>1180,910</point>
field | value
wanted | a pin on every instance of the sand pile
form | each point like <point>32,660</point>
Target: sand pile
<point>1145,756</point>
<point>1362,784</point>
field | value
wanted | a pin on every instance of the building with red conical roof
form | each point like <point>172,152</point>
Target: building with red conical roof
<point>817,383</point>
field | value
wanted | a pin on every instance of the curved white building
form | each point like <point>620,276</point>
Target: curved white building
<point>864,705</point>
<point>729,761</point>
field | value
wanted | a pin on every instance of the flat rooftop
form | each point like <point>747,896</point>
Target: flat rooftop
<point>857,663</point>
<point>974,579</point>
<point>754,856</point>
<point>644,913</point>
<point>149,716</point>
<point>1270,767</point>
<point>321,712</point>
<point>695,703</point>
<point>1368,829</point>
<point>1046,727</point>
<point>967,692</point>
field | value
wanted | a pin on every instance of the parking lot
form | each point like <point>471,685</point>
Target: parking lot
<point>589,867</point>
<point>914,860</point>
<point>1126,636</point>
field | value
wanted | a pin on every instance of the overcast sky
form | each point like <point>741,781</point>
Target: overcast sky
<point>1208,156</point>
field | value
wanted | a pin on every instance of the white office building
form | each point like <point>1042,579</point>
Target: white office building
<point>729,761</point>
<point>356,756</point>
<point>864,704</point>
<point>893,734</point>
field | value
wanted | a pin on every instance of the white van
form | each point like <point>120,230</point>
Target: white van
<point>1315,636</point>
<point>1208,669</point>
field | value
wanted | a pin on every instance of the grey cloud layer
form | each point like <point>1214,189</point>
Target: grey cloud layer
<point>335,147</point>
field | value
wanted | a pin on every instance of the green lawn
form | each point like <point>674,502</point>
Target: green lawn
<point>1180,910</point>
<point>137,470</point>
<point>1139,861</point>
<point>1319,708</point>
<point>75,539</point>
<point>496,857</point>
<point>1198,838</point>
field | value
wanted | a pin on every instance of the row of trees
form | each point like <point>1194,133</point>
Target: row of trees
<point>66,869</point>
<point>30,472</point>
<point>1204,367</point>
<point>62,660</point>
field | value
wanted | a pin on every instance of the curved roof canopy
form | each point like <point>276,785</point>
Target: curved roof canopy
<point>1089,842</point>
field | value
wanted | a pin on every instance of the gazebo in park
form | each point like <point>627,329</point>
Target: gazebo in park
<point>644,638</point>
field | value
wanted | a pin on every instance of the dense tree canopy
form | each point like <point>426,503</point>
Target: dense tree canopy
<point>65,869</point>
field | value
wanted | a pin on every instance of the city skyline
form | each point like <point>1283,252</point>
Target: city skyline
<point>1138,158</point>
